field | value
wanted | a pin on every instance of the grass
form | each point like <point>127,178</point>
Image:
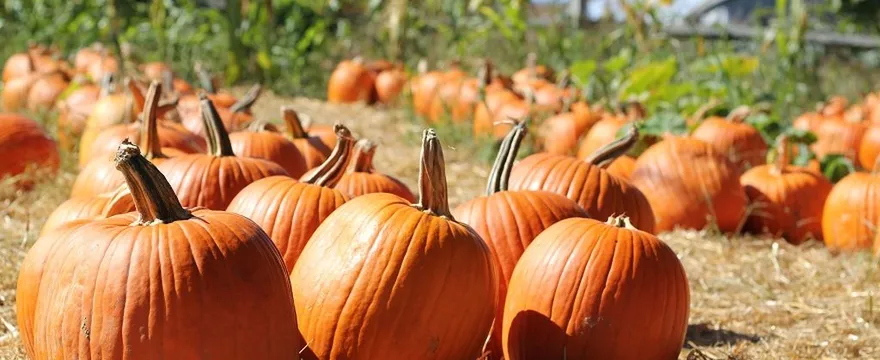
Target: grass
<point>750,298</point>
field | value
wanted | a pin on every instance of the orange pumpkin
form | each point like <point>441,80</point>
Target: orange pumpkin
<point>259,141</point>
<point>378,251</point>
<point>36,60</point>
<point>497,107</point>
<point>622,167</point>
<point>183,264</point>
<point>389,85</point>
<point>509,220</point>
<point>424,87</point>
<point>314,149</point>
<point>850,217</point>
<point>561,133</point>
<point>587,182</point>
<point>45,90</point>
<point>350,82</point>
<point>605,130</point>
<point>361,178</point>
<point>732,136</point>
<point>289,210</point>
<point>689,184</point>
<point>532,71</point>
<point>616,293</point>
<point>234,117</point>
<point>111,109</point>
<point>841,136</point>
<point>73,111</point>
<point>787,200</point>
<point>24,144</point>
<point>869,149</point>
<point>81,208</point>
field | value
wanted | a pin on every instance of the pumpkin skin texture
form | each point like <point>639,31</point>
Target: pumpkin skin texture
<point>733,137</point>
<point>598,192</point>
<point>350,82</point>
<point>602,133</point>
<point>869,149</point>
<point>389,84</point>
<point>211,180</point>
<point>840,137</point>
<point>616,293</point>
<point>73,112</point>
<point>261,144</point>
<point>622,167</point>
<point>508,221</point>
<point>424,87</point>
<point>99,207</point>
<point>359,284</point>
<point>687,181</point>
<point>313,149</point>
<point>289,210</point>
<point>788,199</point>
<point>18,132</point>
<point>174,271</point>
<point>850,217</point>
<point>361,178</point>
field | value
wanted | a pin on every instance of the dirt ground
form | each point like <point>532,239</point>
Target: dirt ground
<point>750,298</point>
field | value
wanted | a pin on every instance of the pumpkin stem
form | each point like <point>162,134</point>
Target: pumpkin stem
<point>248,100</point>
<point>621,221</point>
<point>262,125</point>
<point>362,157</point>
<point>532,65</point>
<point>168,80</point>
<point>433,193</point>
<point>106,85</point>
<point>153,197</point>
<point>332,169</point>
<point>739,114</point>
<point>205,79</point>
<point>218,138</point>
<point>500,174</point>
<point>422,66</point>
<point>605,155</point>
<point>782,153</point>
<point>150,124</point>
<point>294,124</point>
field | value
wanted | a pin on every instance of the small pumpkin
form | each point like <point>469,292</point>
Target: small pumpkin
<point>18,133</point>
<point>350,82</point>
<point>389,84</point>
<point>259,141</point>
<point>424,87</point>
<point>561,133</point>
<point>112,108</point>
<point>869,149</point>
<point>508,221</point>
<point>850,218</point>
<point>689,184</point>
<point>841,136</point>
<point>314,149</point>
<point>45,90</point>
<point>587,182</point>
<point>532,71</point>
<point>616,293</point>
<point>787,200</point>
<point>733,136</point>
<point>234,117</point>
<point>89,208</point>
<point>183,264</point>
<point>74,109</point>
<point>457,98</point>
<point>605,130</point>
<point>361,178</point>
<point>364,273</point>
<point>289,210</point>
<point>496,107</point>
<point>213,179</point>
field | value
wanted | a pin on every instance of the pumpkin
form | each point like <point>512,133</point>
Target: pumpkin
<point>45,90</point>
<point>688,183</point>
<point>841,136</point>
<point>24,144</point>
<point>605,130</point>
<point>423,88</point>
<point>289,210</point>
<point>74,109</point>
<point>378,264</point>
<point>586,289</point>
<point>869,149</point>
<point>111,109</point>
<point>213,179</point>
<point>787,200</point>
<point>171,135</point>
<point>509,220</point>
<point>498,106</point>
<point>36,60</point>
<point>15,91</point>
<point>622,167</point>
<point>389,85</point>
<point>532,71</point>
<point>733,136</point>
<point>259,141</point>
<point>100,175</point>
<point>361,178</point>
<point>350,82</point>
<point>183,264</point>
<point>85,57</point>
<point>101,206</point>
<point>561,133</point>
<point>850,218</point>
<point>458,97</point>
<point>314,149</point>
<point>587,182</point>
<point>326,133</point>
<point>234,117</point>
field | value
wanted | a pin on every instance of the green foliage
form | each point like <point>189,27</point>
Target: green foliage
<point>836,167</point>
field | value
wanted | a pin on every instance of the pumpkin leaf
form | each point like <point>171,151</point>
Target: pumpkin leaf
<point>800,136</point>
<point>836,167</point>
<point>582,71</point>
<point>648,78</point>
<point>770,127</point>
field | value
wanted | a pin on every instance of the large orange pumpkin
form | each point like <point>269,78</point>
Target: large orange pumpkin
<point>361,178</point>
<point>786,200</point>
<point>289,210</point>
<point>213,179</point>
<point>734,137</point>
<point>587,182</point>
<point>509,220</point>
<point>378,265</point>
<point>350,82</point>
<point>689,184</point>
<point>585,289</point>
<point>24,144</point>
<point>259,141</point>
<point>850,218</point>
<point>156,283</point>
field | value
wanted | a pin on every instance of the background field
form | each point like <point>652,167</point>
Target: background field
<point>750,298</point>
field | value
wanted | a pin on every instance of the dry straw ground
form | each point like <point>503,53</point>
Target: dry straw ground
<point>750,298</point>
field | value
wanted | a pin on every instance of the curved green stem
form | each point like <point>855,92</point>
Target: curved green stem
<point>605,155</point>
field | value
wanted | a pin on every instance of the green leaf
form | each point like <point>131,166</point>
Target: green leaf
<point>836,167</point>
<point>649,78</point>
<point>582,71</point>
<point>800,136</point>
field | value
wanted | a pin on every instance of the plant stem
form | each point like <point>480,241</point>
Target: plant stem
<point>332,169</point>
<point>218,138</point>
<point>605,155</point>
<point>153,197</point>
<point>247,100</point>
<point>294,125</point>
<point>362,158</point>
<point>433,192</point>
<point>150,123</point>
<point>500,174</point>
